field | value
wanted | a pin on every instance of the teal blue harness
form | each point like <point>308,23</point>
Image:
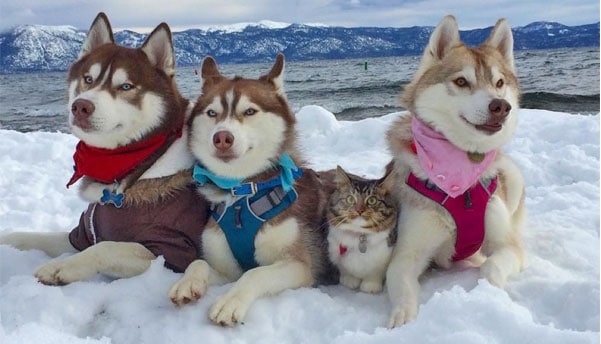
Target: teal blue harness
<point>256,204</point>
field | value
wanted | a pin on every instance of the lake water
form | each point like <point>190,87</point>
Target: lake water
<point>565,80</point>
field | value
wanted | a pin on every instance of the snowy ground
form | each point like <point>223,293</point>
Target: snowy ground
<point>555,300</point>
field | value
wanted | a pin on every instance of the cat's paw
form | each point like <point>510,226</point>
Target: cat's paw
<point>371,286</point>
<point>229,309</point>
<point>349,281</point>
<point>402,314</point>
<point>65,271</point>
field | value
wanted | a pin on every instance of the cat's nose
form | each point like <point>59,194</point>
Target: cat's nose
<point>360,209</point>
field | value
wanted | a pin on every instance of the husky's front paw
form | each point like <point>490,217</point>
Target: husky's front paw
<point>193,285</point>
<point>229,309</point>
<point>189,288</point>
<point>494,274</point>
<point>402,314</point>
<point>65,271</point>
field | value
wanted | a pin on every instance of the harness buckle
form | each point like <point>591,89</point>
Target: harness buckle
<point>246,189</point>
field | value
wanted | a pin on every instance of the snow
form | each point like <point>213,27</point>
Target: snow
<point>239,27</point>
<point>555,300</point>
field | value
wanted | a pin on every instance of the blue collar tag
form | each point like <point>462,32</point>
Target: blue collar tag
<point>112,197</point>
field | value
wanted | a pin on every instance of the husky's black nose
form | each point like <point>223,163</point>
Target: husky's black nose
<point>499,108</point>
<point>82,109</point>
<point>223,140</point>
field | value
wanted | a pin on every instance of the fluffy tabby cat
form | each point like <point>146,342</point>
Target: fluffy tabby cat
<point>362,218</point>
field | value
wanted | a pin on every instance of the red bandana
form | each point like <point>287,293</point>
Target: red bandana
<point>110,165</point>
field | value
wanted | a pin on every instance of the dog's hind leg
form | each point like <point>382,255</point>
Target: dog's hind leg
<point>53,244</point>
<point>116,259</point>
<point>231,307</point>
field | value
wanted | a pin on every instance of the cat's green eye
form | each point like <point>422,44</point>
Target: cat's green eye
<point>371,201</point>
<point>350,199</point>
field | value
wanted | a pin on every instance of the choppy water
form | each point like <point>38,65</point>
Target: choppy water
<point>565,80</point>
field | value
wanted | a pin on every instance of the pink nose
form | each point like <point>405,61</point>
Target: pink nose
<point>223,140</point>
<point>499,108</point>
<point>82,109</point>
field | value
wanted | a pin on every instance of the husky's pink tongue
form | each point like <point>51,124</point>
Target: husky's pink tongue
<point>447,166</point>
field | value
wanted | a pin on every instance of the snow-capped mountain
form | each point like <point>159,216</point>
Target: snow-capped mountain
<point>31,48</point>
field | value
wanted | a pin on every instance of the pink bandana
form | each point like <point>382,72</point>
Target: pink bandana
<point>446,165</point>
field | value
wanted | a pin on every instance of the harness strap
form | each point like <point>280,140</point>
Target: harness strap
<point>252,188</point>
<point>468,211</point>
<point>241,220</point>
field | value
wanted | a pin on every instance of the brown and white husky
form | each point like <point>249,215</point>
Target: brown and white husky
<point>133,161</point>
<point>461,197</point>
<point>267,229</point>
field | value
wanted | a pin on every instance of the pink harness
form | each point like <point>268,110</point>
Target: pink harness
<point>467,212</point>
<point>452,173</point>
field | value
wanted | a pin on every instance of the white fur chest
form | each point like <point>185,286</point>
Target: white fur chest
<point>345,250</point>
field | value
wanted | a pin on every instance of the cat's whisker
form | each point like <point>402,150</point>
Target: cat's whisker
<point>338,221</point>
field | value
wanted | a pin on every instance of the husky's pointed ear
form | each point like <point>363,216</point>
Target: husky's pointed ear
<point>209,68</point>
<point>159,49</point>
<point>276,74</point>
<point>209,73</point>
<point>501,39</point>
<point>100,33</point>
<point>444,37</point>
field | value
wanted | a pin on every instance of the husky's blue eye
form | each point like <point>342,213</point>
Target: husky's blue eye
<point>211,113</point>
<point>250,112</point>
<point>88,79</point>
<point>126,87</point>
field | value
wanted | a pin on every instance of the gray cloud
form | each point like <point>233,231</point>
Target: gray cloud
<point>194,13</point>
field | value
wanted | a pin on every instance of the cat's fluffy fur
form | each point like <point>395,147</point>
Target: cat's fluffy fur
<point>362,218</point>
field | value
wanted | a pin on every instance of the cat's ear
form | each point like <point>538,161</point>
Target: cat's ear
<point>386,183</point>
<point>341,178</point>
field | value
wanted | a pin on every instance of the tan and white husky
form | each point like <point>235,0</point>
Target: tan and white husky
<point>267,229</point>
<point>461,197</point>
<point>133,161</point>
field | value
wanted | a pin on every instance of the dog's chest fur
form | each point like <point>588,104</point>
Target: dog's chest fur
<point>415,204</point>
<point>298,232</point>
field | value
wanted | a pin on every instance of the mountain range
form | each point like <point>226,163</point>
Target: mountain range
<point>32,48</point>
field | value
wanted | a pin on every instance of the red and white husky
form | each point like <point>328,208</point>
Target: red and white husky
<point>460,196</point>
<point>133,161</point>
<point>267,227</point>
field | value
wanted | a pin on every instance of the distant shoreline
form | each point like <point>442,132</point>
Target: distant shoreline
<point>31,48</point>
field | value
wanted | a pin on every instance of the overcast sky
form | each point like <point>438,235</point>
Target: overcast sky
<point>143,15</point>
